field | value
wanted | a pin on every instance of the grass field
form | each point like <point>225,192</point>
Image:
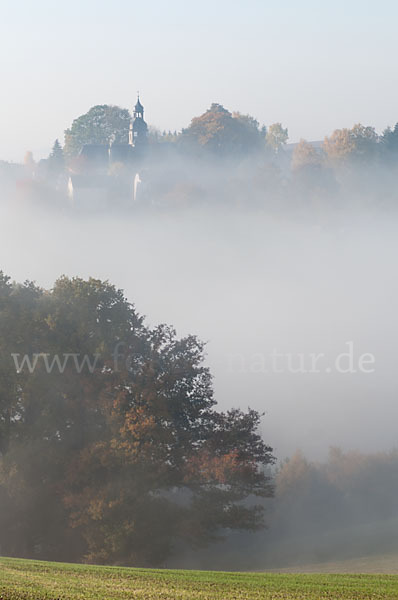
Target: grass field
<point>381,563</point>
<point>33,580</point>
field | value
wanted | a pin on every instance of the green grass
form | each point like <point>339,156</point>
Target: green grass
<point>34,580</point>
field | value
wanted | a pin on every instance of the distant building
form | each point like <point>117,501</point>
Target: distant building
<point>109,171</point>
<point>138,134</point>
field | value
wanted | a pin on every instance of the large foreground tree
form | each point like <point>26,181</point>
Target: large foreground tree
<point>115,452</point>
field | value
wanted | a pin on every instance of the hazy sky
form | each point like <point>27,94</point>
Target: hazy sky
<point>313,65</point>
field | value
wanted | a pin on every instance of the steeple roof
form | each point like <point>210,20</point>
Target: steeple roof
<point>138,107</point>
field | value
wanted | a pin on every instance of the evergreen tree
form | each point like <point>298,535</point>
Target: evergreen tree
<point>56,161</point>
<point>389,144</point>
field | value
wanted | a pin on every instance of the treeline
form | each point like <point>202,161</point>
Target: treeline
<point>344,507</point>
<point>220,132</point>
<point>227,159</point>
<point>111,447</point>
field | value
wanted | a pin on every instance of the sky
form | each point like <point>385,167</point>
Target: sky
<point>314,66</point>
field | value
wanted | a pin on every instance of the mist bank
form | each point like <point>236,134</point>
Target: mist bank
<point>337,510</point>
<point>267,290</point>
<point>251,284</point>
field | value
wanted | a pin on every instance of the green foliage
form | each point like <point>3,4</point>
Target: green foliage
<point>277,137</point>
<point>389,143</point>
<point>56,160</point>
<point>116,462</point>
<point>99,125</point>
<point>28,580</point>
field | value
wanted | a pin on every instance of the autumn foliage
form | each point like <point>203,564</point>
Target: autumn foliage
<point>122,462</point>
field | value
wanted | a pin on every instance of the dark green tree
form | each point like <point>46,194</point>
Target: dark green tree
<point>389,144</point>
<point>98,126</point>
<point>117,461</point>
<point>56,160</point>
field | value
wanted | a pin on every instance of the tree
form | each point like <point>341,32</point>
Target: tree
<point>352,146</point>
<point>98,126</point>
<point>118,461</point>
<point>310,176</point>
<point>56,161</point>
<point>389,144</point>
<point>277,137</point>
<point>306,155</point>
<point>222,133</point>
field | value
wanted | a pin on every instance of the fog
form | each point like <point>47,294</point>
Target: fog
<point>250,284</point>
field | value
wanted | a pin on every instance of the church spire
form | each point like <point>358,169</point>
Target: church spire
<point>138,108</point>
<point>138,127</point>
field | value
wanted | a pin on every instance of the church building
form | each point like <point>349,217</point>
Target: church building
<point>95,181</point>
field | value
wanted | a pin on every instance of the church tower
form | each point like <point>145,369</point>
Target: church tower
<point>138,128</point>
